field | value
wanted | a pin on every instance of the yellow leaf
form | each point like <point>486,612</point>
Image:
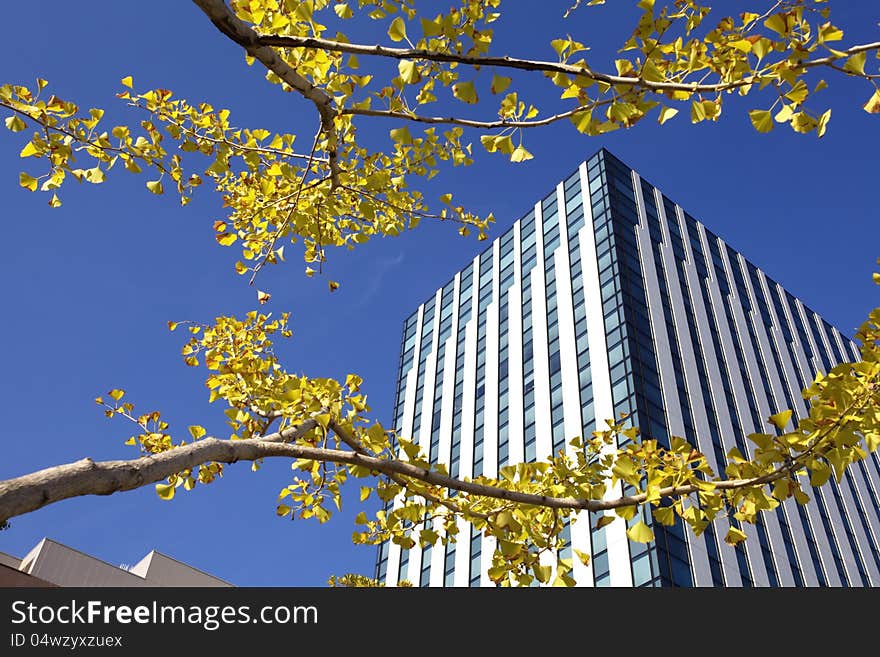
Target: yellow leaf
<point>401,135</point>
<point>54,202</point>
<point>856,63</point>
<point>226,239</point>
<point>155,186</point>
<point>873,104</point>
<point>604,520</point>
<point>408,71</point>
<point>734,536</point>
<point>197,431</point>
<point>828,32</point>
<point>743,45</point>
<point>343,10</point>
<point>127,81</point>
<point>520,154</point>
<point>333,285</point>
<point>116,393</point>
<point>28,150</point>
<point>823,122</point>
<point>95,175</point>
<point>762,120</point>
<point>777,23</point>
<point>698,112</point>
<point>783,115</point>
<point>465,92</point>
<point>666,113</point>
<point>431,28</point>
<point>640,533</point>
<point>798,93</point>
<point>542,573</point>
<point>397,29</point>
<point>499,84</point>
<point>665,515</point>
<point>172,326</point>
<point>165,491</point>
<point>28,182</point>
<point>263,297</point>
<point>282,510</point>
<point>15,124</point>
<point>365,492</point>
<point>488,142</point>
<point>780,420</point>
<point>582,120</point>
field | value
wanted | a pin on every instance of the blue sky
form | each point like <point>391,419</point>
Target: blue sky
<point>87,289</point>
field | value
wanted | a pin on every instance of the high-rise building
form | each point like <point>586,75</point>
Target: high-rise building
<point>607,298</point>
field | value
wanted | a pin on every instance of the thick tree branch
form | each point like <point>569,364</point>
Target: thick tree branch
<point>87,477</point>
<point>530,64</point>
<point>237,30</point>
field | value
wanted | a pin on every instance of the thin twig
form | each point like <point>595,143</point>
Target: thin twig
<point>286,221</point>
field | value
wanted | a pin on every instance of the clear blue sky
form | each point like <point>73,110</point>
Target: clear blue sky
<point>87,289</point>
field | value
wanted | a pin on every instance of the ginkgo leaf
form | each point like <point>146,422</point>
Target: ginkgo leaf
<point>520,154</point>
<point>665,114</point>
<point>465,92</point>
<point>604,520</point>
<point>15,123</point>
<point>856,63</point>
<point>780,420</point>
<point>734,536</point>
<point>28,150</point>
<point>499,84</point>
<point>197,431</point>
<point>873,104</point>
<point>640,533</point>
<point>401,135</point>
<point>397,29</point>
<point>28,182</point>
<point>762,120</point>
<point>408,71</point>
<point>165,491</point>
<point>263,297</point>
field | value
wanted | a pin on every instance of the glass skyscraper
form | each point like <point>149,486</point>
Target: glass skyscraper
<point>607,298</point>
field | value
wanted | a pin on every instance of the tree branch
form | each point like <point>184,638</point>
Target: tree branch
<point>242,34</point>
<point>87,477</point>
<point>286,221</point>
<point>530,64</point>
<point>487,125</point>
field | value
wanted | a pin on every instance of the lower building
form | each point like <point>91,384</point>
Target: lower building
<point>51,563</point>
<point>606,298</point>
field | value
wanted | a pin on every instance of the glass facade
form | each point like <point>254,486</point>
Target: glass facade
<point>693,340</point>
